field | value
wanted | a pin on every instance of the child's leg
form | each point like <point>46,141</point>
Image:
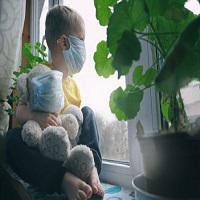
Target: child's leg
<point>31,166</point>
<point>90,137</point>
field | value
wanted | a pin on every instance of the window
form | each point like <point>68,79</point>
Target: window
<point>95,90</point>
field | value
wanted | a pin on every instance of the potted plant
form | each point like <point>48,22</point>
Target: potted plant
<point>173,32</point>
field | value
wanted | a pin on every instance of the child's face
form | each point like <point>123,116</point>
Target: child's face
<point>60,57</point>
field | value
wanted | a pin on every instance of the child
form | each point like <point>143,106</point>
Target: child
<point>65,34</point>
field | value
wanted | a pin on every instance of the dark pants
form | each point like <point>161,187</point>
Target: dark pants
<point>40,171</point>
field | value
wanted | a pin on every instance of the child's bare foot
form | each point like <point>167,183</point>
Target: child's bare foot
<point>95,183</point>
<point>75,188</point>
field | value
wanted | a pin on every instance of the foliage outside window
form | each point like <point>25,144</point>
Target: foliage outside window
<point>32,60</point>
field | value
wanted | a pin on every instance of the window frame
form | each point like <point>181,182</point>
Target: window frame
<point>34,28</point>
<point>112,172</point>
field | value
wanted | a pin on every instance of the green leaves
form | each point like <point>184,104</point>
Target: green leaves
<point>173,10</point>
<point>103,10</point>
<point>33,59</point>
<point>140,129</point>
<point>166,108</point>
<point>159,23</point>
<point>176,12</point>
<point>183,62</point>
<point>39,57</point>
<point>127,16</point>
<point>41,50</point>
<point>122,42</point>
<point>139,79</point>
<point>103,61</point>
<point>125,104</point>
<point>128,49</point>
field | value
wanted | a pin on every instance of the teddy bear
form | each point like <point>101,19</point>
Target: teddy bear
<point>41,90</point>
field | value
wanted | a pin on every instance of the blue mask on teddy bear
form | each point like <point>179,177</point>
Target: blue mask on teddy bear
<point>47,92</point>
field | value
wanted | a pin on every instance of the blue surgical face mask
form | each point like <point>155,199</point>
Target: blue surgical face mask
<point>75,56</point>
<point>48,94</point>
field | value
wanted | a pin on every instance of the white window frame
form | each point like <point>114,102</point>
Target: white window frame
<point>34,29</point>
<point>116,173</point>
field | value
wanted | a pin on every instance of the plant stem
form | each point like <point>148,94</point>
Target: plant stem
<point>150,42</point>
<point>158,40</point>
<point>158,33</point>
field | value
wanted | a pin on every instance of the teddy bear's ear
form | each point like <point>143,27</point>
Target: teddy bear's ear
<point>22,87</point>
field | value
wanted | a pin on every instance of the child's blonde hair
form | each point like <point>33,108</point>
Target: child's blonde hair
<point>60,20</point>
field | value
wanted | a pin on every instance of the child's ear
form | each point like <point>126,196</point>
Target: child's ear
<point>64,43</point>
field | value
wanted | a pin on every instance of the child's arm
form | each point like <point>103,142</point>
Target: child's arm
<point>23,114</point>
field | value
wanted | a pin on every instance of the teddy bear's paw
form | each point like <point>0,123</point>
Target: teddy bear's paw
<point>55,143</point>
<point>80,161</point>
<point>69,122</point>
<point>76,111</point>
<point>31,133</point>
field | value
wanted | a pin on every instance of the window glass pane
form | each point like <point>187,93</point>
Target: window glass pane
<point>191,98</point>
<point>95,90</point>
<point>193,5</point>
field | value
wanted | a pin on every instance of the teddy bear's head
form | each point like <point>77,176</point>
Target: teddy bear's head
<point>42,89</point>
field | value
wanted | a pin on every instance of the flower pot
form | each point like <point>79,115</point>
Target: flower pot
<point>172,161</point>
<point>141,185</point>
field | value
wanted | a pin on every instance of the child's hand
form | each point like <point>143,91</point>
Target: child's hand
<point>45,119</point>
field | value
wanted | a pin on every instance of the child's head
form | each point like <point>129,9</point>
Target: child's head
<point>62,20</point>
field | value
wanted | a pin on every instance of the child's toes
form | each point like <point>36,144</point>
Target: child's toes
<point>87,190</point>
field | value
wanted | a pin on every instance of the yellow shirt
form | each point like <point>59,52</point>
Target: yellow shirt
<point>71,91</point>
